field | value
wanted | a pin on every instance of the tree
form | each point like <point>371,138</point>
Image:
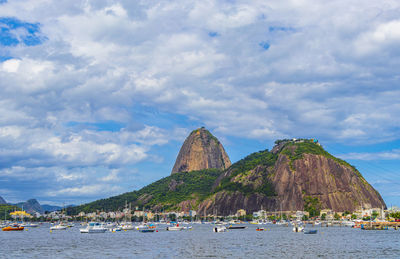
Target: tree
<point>323,216</point>
<point>304,218</point>
<point>375,214</point>
<point>353,216</point>
<point>312,205</point>
<point>336,216</point>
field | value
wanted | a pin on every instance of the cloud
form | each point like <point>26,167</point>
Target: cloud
<point>87,190</point>
<point>108,83</point>
<point>391,155</point>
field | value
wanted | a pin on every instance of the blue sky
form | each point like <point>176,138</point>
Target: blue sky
<point>98,96</point>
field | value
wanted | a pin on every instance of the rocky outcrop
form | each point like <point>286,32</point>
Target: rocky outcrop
<point>2,201</point>
<point>337,186</point>
<point>201,150</point>
<point>290,176</point>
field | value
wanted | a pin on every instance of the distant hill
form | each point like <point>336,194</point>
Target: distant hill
<point>31,206</point>
<point>50,208</point>
<point>2,201</point>
<point>169,193</point>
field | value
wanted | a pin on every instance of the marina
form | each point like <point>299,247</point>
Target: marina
<point>275,241</point>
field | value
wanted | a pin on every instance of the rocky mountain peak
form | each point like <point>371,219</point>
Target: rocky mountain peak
<point>201,150</point>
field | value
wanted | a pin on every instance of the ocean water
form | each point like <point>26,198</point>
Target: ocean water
<point>201,242</point>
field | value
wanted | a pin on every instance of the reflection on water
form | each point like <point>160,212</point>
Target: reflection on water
<point>201,242</point>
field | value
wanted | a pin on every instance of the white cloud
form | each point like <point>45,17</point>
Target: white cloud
<point>87,190</point>
<point>387,155</point>
<point>11,65</point>
<point>331,72</point>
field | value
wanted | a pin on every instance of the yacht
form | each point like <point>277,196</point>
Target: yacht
<point>127,226</point>
<point>94,227</point>
<point>59,226</point>
<point>219,229</point>
<point>298,228</point>
<point>175,228</point>
<point>29,225</point>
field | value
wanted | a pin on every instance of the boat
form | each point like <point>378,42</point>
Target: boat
<point>260,229</point>
<point>59,226</point>
<point>29,225</point>
<point>219,229</point>
<point>298,228</point>
<point>14,227</point>
<point>93,227</point>
<point>236,227</point>
<point>311,231</point>
<point>148,230</point>
<point>142,226</point>
<point>175,228</point>
<point>127,226</point>
<point>115,229</point>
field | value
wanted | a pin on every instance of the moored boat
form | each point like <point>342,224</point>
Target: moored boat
<point>93,227</point>
<point>175,228</point>
<point>236,227</point>
<point>298,228</point>
<point>219,229</point>
<point>311,231</point>
<point>59,226</point>
<point>148,230</point>
<point>14,227</point>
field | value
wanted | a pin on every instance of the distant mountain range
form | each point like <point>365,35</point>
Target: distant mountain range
<point>32,206</point>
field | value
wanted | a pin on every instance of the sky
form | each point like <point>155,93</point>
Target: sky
<point>97,96</point>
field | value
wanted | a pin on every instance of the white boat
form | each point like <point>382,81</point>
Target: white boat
<point>175,228</point>
<point>298,228</point>
<point>94,227</point>
<point>142,226</point>
<point>115,229</point>
<point>29,225</point>
<point>59,226</point>
<point>219,229</point>
<point>127,226</point>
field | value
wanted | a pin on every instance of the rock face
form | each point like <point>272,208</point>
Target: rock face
<point>281,181</point>
<point>201,150</point>
<point>2,201</point>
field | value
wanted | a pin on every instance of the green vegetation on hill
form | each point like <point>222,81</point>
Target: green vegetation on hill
<point>312,205</point>
<point>167,192</point>
<point>5,210</point>
<point>261,158</point>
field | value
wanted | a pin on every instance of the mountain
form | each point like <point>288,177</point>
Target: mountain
<point>201,150</point>
<point>50,208</point>
<point>2,201</point>
<point>31,206</point>
<point>295,175</point>
<point>289,178</point>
